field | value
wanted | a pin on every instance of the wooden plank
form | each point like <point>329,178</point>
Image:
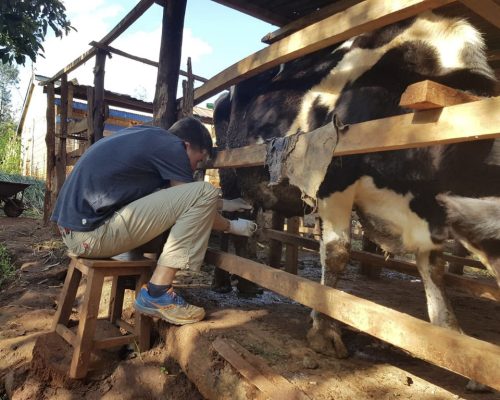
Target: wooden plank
<point>309,19</point>
<point>463,261</point>
<point>63,131</point>
<point>476,359</point>
<point>471,286</point>
<point>67,296</point>
<point>112,263</point>
<point>66,334</point>
<point>255,11</point>
<point>187,93</point>
<point>71,88</point>
<point>297,240</point>
<point>478,289</point>
<point>140,59</point>
<point>50,143</point>
<point>76,127</point>
<point>90,117</point>
<point>276,246</point>
<point>427,95</point>
<point>116,298</point>
<point>84,340</point>
<point>128,20</point>
<point>289,390</point>
<point>116,341</point>
<point>247,156</point>
<point>271,384</point>
<point>73,156</point>
<point>97,110</point>
<point>488,9</point>
<point>292,250</point>
<point>143,322</point>
<point>361,18</point>
<point>463,122</point>
<point>125,325</point>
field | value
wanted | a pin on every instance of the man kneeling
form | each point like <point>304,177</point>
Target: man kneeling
<point>129,188</point>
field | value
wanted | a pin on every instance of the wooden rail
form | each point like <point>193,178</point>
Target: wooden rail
<point>478,289</point>
<point>360,18</point>
<point>128,20</point>
<point>463,122</point>
<point>456,352</point>
<point>139,59</point>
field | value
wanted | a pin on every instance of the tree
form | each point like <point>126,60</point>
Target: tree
<point>8,80</point>
<point>23,26</point>
<point>10,145</point>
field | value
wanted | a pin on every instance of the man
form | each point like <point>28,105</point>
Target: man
<point>129,188</point>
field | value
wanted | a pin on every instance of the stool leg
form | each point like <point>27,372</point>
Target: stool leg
<point>116,299</point>
<point>86,327</point>
<point>67,296</point>
<point>142,322</point>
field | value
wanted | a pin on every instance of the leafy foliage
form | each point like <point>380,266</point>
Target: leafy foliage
<point>9,78</point>
<point>7,270</point>
<point>10,144</point>
<point>10,148</point>
<point>23,26</point>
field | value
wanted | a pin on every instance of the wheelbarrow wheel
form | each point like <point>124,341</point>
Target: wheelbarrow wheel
<point>13,208</point>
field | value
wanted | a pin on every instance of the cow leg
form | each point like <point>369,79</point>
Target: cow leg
<point>432,268</point>
<point>221,282</point>
<point>335,212</point>
<point>246,248</point>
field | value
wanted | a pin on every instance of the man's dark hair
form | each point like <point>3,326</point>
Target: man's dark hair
<point>193,131</point>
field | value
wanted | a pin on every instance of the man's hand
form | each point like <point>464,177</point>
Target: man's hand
<point>235,205</point>
<point>242,227</point>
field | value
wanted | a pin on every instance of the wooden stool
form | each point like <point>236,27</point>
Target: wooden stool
<point>83,341</point>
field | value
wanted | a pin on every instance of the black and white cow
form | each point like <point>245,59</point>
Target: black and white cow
<point>408,200</point>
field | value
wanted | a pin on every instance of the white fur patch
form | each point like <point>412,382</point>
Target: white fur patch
<point>448,36</point>
<point>394,210</point>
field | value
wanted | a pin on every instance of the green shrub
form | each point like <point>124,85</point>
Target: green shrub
<point>7,270</point>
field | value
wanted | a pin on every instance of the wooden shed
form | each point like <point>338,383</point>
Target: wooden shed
<point>304,27</point>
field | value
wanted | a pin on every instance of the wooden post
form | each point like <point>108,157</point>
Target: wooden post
<point>98,106</point>
<point>366,268</point>
<point>456,267</point>
<point>188,92</point>
<point>63,133</point>
<point>51,148</point>
<point>292,251</point>
<point>275,246</point>
<point>475,359</point>
<point>90,118</point>
<point>164,106</point>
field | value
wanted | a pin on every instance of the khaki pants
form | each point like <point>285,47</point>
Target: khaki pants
<point>188,210</point>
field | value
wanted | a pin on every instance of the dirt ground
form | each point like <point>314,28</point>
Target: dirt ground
<point>270,327</point>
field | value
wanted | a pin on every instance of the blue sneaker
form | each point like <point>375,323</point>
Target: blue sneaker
<point>169,306</point>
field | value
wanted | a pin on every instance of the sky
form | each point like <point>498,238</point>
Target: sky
<point>215,37</point>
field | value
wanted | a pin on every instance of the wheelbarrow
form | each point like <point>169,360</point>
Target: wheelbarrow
<point>11,195</point>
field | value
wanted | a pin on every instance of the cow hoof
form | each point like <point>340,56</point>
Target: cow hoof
<point>325,344</point>
<point>248,289</point>
<point>474,386</point>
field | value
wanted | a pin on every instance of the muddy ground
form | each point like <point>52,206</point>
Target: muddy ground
<point>270,327</point>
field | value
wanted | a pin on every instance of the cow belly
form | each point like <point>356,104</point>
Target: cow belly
<point>388,220</point>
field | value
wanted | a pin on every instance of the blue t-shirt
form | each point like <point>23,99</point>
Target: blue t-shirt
<point>118,170</point>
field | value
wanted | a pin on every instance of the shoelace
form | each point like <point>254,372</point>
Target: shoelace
<point>175,297</point>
